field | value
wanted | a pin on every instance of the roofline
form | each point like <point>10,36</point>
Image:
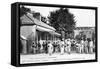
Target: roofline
<point>38,25</point>
<point>84,27</point>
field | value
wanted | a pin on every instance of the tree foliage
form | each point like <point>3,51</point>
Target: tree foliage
<point>62,20</point>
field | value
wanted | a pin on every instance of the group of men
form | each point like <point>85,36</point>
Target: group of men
<point>85,46</point>
<point>64,46</point>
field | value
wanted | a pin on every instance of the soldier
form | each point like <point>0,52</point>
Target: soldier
<point>91,46</point>
<point>41,46</point>
<point>56,47</point>
<point>94,46</point>
<point>73,45</point>
<point>50,48</point>
<point>82,46</point>
<point>45,47</point>
<point>54,44</point>
<point>62,47</point>
<point>78,46</point>
<point>58,44</point>
<point>34,48</point>
<point>68,46</point>
<point>86,46</point>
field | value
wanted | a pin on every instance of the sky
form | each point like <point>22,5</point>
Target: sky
<point>83,17</point>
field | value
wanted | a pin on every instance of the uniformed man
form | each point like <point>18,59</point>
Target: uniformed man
<point>68,46</point>
<point>82,46</point>
<point>62,47</point>
<point>78,46</point>
<point>41,46</point>
<point>65,45</point>
<point>91,46</point>
<point>50,48</point>
<point>86,46</point>
<point>34,48</point>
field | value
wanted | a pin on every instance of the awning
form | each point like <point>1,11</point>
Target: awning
<point>55,33</point>
<point>43,29</point>
<point>47,30</point>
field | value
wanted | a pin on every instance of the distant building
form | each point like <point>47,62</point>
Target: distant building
<point>87,31</point>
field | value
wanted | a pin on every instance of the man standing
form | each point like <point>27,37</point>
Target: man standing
<point>78,46</point>
<point>86,46</point>
<point>62,47</point>
<point>34,48</point>
<point>50,48</point>
<point>91,46</point>
<point>41,46</point>
<point>82,46</point>
<point>68,46</point>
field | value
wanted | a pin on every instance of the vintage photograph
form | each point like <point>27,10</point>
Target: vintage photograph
<point>55,34</point>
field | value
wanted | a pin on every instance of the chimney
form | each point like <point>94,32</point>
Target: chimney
<point>37,16</point>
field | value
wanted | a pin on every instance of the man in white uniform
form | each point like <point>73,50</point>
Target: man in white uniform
<point>65,45</point>
<point>86,46</point>
<point>41,46</point>
<point>69,46</point>
<point>91,46</point>
<point>82,46</point>
<point>50,48</point>
<point>62,47</point>
<point>78,46</point>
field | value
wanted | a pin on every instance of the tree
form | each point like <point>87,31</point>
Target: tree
<point>62,20</point>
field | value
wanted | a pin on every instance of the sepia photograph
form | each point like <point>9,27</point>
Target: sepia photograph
<point>56,34</point>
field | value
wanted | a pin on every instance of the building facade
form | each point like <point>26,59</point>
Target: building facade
<point>34,30</point>
<point>88,32</point>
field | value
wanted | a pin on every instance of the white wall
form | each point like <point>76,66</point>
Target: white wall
<point>5,36</point>
<point>23,30</point>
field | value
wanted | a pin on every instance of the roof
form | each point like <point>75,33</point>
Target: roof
<point>77,28</point>
<point>29,19</point>
<point>26,20</point>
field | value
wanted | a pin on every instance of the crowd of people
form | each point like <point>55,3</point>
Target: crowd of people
<point>64,46</point>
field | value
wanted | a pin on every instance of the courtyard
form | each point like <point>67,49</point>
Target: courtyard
<point>56,57</point>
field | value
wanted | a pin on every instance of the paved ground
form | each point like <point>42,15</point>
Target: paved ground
<point>38,58</point>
